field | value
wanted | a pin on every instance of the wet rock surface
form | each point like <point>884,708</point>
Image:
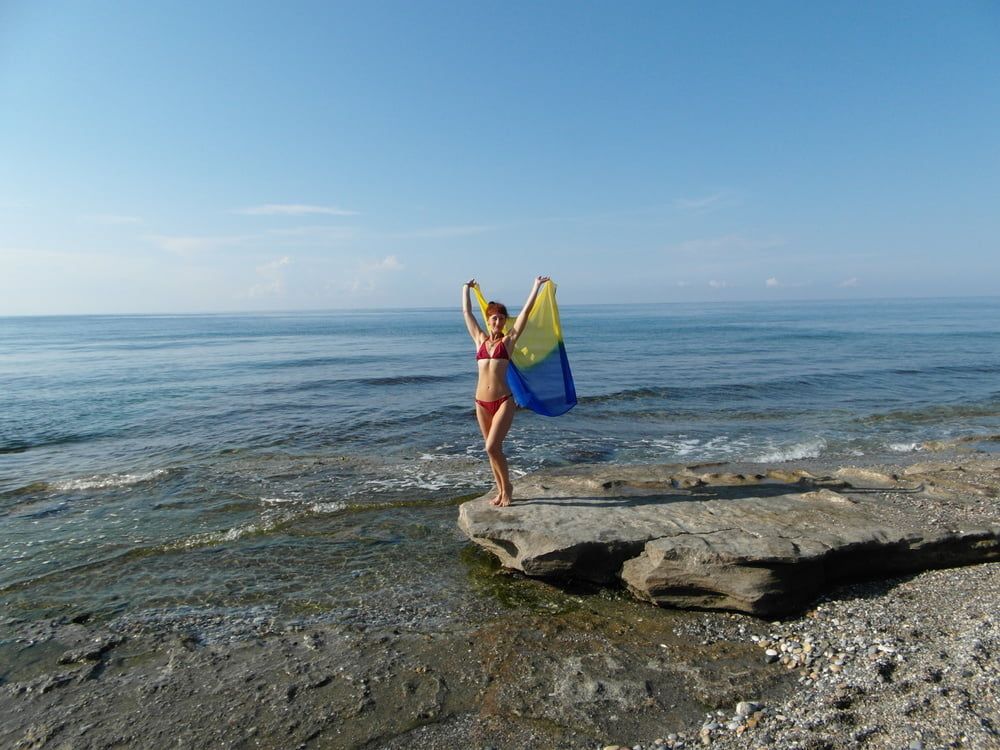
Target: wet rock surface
<point>896,663</point>
<point>761,541</point>
<point>598,665</point>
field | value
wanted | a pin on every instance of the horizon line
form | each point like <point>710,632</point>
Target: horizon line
<point>328,310</point>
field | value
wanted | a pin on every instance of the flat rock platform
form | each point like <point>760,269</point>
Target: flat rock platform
<point>766,541</point>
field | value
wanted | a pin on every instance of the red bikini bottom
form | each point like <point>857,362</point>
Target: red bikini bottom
<point>493,406</point>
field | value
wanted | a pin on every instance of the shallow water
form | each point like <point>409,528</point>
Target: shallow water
<point>309,465</point>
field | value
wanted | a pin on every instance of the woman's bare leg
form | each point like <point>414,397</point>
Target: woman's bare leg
<point>499,428</point>
<point>485,420</point>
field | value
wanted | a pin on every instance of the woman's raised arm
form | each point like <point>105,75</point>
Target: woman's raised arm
<point>470,320</point>
<point>522,317</point>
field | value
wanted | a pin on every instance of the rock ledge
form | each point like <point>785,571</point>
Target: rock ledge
<point>766,542</point>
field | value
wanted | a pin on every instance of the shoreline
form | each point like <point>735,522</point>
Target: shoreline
<point>906,662</point>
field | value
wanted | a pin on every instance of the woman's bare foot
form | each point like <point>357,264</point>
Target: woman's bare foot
<point>496,500</point>
<point>503,501</point>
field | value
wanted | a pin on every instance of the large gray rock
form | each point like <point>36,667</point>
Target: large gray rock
<point>764,543</point>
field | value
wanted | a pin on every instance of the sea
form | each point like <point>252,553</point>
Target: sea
<point>224,471</point>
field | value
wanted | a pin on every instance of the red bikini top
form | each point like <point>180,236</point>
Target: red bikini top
<point>499,352</point>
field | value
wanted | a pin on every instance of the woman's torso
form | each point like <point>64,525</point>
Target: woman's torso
<point>492,369</point>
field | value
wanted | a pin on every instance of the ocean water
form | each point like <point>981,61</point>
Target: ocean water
<point>229,468</point>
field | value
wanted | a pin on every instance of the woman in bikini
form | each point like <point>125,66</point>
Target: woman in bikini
<point>494,403</point>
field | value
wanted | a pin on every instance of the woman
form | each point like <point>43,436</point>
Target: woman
<point>494,403</point>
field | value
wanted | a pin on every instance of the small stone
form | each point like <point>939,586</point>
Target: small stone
<point>745,708</point>
<point>770,656</point>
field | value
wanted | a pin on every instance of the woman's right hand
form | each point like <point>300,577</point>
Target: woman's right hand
<point>471,283</point>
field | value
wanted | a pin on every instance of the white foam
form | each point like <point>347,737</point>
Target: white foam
<point>441,457</point>
<point>271,519</point>
<point>106,481</point>
<point>679,447</point>
<point>218,537</point>
<point>684,446</point>
<point>904,447</point>
<point>409,478</point>
<point>327,507</point>
<point>794,452</point>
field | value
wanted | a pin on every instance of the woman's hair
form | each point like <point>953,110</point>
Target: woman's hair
<point>494,308</point>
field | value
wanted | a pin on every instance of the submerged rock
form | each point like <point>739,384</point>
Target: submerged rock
<point>740,541</point>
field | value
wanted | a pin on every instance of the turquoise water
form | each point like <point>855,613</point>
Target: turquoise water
<point>155,468</point>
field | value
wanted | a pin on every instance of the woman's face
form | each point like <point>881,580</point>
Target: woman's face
<point>496,321</point>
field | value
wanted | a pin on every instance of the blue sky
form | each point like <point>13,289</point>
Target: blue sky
<point>224,156</point>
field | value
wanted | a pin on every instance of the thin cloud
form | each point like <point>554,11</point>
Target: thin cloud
<point>718,199</point>
<point>441,232</point>
<point>112,219</point>
<point>851,282</point>
<point>321,232</point>
<point>273,279</point>
<point>654,212</point>
<point>349,232</point>
<point>727,244</point>
<point>294,209</point>
<point>699,204</point>
<point>389,263</point>
<point>773,283</point>
<point>718,284</point>
<point>361,286</point>
<point>188,244</point>
<point>370,275</point>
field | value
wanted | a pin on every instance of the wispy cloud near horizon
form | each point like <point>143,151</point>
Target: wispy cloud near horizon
<point>703,203</point>
<point>441,232</point>
<point>726,243</point>
<point>294,209</point>
<point>388,263</point>
<point>272,279</point>
<point>187,244</point>
<point>112,219</point>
